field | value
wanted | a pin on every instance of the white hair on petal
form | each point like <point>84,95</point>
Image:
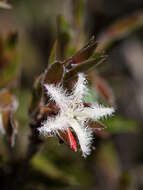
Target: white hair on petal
<point>95,112</point>
<point>51,125</point>
<point>84,135</point>
<point>99,111</point>
<point>57,94</point>
<point>80,87</point>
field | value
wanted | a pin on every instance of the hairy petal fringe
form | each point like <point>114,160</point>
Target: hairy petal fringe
<point>52,125</point>
<point>58,95</point>
<point>84,135</point>
<point>95,112</point>
<point>80,88</point>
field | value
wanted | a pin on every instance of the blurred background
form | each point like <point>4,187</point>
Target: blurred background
<point>28,30</point>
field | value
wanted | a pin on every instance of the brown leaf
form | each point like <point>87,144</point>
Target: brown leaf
<point>98,128</point>
<point>54,74</point>
<point>83,67</point>
<point>83,54</point>
<point>63,137</point>
<point>96,125</point>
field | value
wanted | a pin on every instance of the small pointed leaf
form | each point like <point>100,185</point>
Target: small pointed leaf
<point>96,125</point>
<point>83,67</point>
<point>54,74</point>
<point>83,54</point>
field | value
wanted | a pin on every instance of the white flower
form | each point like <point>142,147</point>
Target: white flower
<point>73,114</point>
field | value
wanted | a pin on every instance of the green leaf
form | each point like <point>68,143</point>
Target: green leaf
<point>78,10</point>
<point>48,168</point>
<point>52,56</point>
<point>118,124</point>
<point>63,32</point>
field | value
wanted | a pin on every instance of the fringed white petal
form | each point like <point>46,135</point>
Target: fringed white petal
<point>102,111</point>
<point>95,112</point>
<point>58,95</point>
<point>84,136</point>
<point>80,88</point>
<point>52,125</point>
